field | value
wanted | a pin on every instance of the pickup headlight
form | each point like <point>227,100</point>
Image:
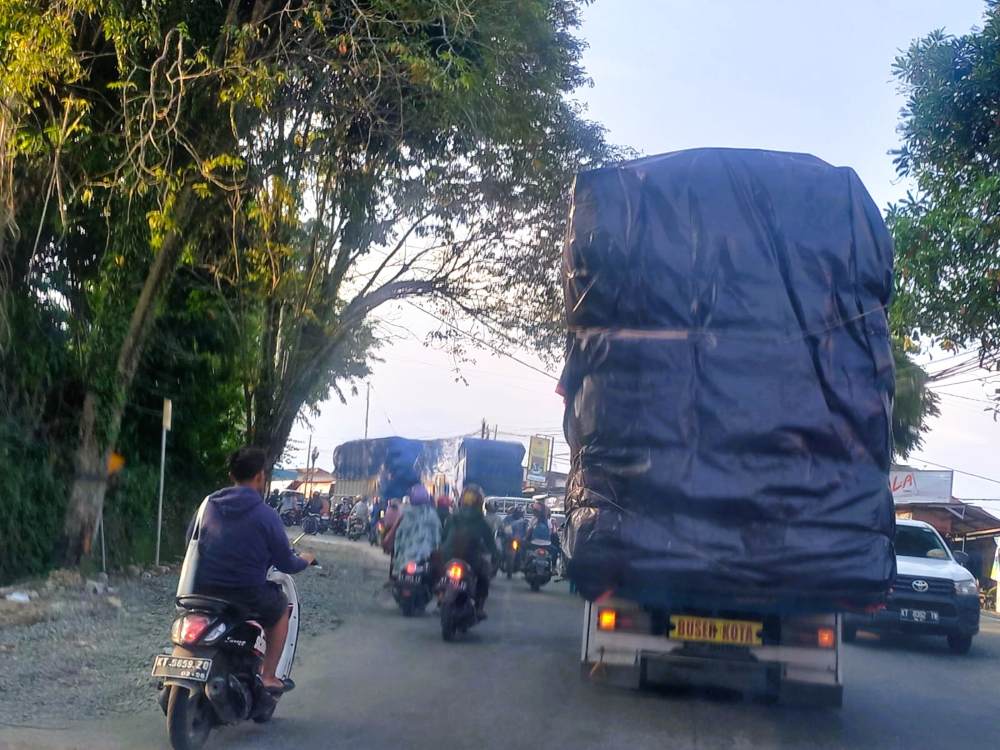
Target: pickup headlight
<point>967,588</point>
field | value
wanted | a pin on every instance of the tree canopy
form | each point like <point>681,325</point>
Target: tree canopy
<point>947,231</point>
<point>228,191</point>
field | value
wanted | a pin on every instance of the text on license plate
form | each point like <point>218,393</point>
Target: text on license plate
<point>714,630</point>
<point>182,667</point>
<point>918,615</point>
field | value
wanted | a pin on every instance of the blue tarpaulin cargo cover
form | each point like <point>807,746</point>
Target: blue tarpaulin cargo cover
<point>728,382</point>
<point>495,465</point>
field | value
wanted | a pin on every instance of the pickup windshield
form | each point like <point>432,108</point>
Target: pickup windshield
<point>914,541</point>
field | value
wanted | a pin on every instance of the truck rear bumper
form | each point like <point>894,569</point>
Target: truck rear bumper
<point>789,673</point>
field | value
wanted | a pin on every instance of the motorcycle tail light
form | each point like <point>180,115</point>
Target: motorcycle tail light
<point>188,629</point>
<point>411,568</point>
<point>826,637</point>
<point>516,544</point>
<point>455,572</point>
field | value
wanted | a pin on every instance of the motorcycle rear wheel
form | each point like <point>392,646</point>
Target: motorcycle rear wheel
<point>447,626</point>
<point>189,718</point>
<point>310,525</point>
<point>535,586</point>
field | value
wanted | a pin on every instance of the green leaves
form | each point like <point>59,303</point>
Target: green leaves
<point>948,236</point>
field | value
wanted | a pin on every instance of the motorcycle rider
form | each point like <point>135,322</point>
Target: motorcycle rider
<point>361,510</point>
<point>515,526</point>
<point>540,531</point>
<point>468,537</point>
<point>443,509</point>
<point>240,539</point>
<point>418,533</point>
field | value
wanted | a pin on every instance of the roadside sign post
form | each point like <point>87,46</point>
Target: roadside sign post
<point>167,420</point>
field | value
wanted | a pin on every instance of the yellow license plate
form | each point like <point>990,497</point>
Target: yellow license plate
<point>714,630</point>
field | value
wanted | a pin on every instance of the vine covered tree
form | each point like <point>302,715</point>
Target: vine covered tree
<point>306,161</point>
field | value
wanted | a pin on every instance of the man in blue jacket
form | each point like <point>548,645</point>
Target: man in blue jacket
<point>241,538</point>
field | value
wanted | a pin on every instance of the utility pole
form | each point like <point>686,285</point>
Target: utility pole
<point>495,428</point>
<point>309,451</point>
<point>483,429</point>
<point>368,397</point>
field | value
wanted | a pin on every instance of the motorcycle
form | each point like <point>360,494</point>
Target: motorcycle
<point>356,528</point>
<point>340,522</point>
<point>511,558</point>
<point>314,523</point>
<point>292,517</point>
<point>375,532</point>
<point>538,565</point>
<point>412,587</point>
<point>458,600</point>
<point>210,677</point>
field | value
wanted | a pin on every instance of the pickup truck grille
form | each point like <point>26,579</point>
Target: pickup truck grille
<point>903,587</point>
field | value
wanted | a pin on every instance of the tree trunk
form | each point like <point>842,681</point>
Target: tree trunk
<point>96,439</point>
<point>89,486</point>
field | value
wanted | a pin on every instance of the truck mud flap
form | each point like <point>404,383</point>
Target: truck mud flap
<point>810,694</point>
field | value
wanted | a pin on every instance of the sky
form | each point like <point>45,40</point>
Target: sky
<point>673,74</point>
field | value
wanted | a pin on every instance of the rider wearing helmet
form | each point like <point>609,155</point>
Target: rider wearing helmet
<point>468,537</point>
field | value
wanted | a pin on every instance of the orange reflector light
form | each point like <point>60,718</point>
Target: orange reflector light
<point>411,567</point>
<point>826,637</point>
<point>455,572</point>
<point>516,544</point>
<point>606,619</point>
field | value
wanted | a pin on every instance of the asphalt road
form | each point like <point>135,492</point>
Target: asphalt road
<point>382,681</point>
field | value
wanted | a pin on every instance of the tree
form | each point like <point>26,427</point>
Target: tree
<point>283,146</point>
<point>947,232</point>
<point>448,206</point>
<point>914,405</point>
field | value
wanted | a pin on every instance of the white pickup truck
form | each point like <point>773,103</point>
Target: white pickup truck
<point>791,658</point>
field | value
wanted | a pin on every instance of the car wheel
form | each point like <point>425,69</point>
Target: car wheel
<point>959,644</point>
<point>849,633</point>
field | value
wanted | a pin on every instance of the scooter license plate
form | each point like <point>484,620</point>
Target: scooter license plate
<point>182,667</point>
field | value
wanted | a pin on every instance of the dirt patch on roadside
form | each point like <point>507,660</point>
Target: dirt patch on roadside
<point>73,655</point>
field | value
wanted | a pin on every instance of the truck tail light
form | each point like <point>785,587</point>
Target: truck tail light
<point>606,619</point>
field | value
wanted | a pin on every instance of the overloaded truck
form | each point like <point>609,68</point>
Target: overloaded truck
<point>495,465</point>
<point>728,386</point>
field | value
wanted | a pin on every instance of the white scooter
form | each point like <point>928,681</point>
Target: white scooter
<point>210,676</point>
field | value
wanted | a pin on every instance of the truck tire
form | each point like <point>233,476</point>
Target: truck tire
<point>959,644</point>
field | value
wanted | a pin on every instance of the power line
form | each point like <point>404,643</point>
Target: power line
<point>969,398</point>
<point>960,471</point>
<point>981,378</point>
<point>492,347</point>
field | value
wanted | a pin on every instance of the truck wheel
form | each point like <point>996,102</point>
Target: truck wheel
<point>189,718</point>
<point>959,644</point>
<point>849,633</point>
